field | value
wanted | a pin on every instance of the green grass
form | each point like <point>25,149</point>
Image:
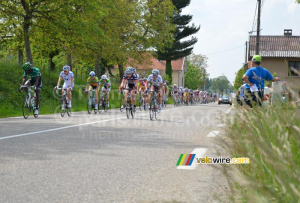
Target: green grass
<point>270,137</point>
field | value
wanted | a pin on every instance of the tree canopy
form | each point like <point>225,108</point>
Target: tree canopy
<point>95,32</point>
<point>179,48</point>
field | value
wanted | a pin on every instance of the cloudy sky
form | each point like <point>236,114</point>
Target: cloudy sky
<point>225,25</point>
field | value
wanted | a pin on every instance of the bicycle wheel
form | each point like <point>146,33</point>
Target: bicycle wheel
<point>128,108</point>
<point>121,103</point>
<point>141,103</point>
<point>26,107</point>
<point>89,106</point>
<point>69,111</point>
<point>105,106</point>
<point>151,109</point>
<point>132,112</point>
<point>62,107</point>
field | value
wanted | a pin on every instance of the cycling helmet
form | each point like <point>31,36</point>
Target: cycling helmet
<point>92,74</point>
<point>175,85</point>
<point>155,71</point>
<point>144,78</point>
<point>66,68</point>
<point>256,58</point>
<point>165,84</point>
<point>103,77</point>
<point>26,66</point>
<point>129,70</point>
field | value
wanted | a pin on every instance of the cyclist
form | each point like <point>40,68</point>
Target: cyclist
<point>68,85</point>
<point>156,85</point>
<point>215,97</point>
<point>130,80</point>
<point>143,90</point>
<point>186,95</point>
<point>93,84</point>
<point>191,95</point>
<point>165,93</point>
<point>34,80</point>
<point>106,87</point>
<point>175,92</point>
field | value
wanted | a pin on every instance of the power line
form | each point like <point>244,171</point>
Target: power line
<point>254,20</point>
<point>224,50</point>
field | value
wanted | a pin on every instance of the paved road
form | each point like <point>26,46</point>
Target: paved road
<point>108,158</point>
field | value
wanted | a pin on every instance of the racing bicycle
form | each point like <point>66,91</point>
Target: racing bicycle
<point>29,101</point>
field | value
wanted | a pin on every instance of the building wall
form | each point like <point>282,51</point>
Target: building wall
<point>280,66</point>
<point>178,78</point>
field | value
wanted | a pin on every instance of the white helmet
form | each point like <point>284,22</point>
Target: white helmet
<point>103,77</point>
<point>155,71</point>
<point>92,73</point>
<point>175,85</point>
<point>66,68</point>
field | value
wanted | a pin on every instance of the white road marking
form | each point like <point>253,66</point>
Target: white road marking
<point>221,125</point>
<point>227,112</point>
<point>70,126</point>
<point>200,152</point>
<point>61,128</point>
<point>213,134</point>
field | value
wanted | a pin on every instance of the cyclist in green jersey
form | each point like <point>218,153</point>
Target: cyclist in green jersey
<point>34,80</point>
<point>93,83</point>
<point>106,87</point>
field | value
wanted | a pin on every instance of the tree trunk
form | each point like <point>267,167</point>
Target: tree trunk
<point>102,66</point>
<point>69,60</point>
<point>169,69</point>
<point>97,66</point>
<point>51,64</point>
<point>9,58</point>
<point>121,71</point>
<point>26,26</point>
<point>20,58</point>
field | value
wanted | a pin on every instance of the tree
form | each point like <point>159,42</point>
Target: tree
<point>220,85</point>
<point>238,79</point>
<point>178,48</point>
<point>26,14</point>
<point>197,73</point>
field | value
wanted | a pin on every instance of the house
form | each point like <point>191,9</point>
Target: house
<point>280,54</point>
<point>146,65</point>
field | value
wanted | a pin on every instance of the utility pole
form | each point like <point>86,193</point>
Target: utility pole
<point>258,28</point>
<point>246,58</point>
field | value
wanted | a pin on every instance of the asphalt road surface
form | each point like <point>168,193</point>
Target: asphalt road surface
<point>109,158</point>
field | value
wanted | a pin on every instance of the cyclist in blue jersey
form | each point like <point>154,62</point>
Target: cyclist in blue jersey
<point>255,82</point>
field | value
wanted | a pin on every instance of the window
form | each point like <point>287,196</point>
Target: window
<point>294,68</point>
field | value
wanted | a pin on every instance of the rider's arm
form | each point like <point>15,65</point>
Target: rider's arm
<point>72,80</point>
<point>123,83</point>
<point>37,81</point>
<point>59,80</point>
<point>24,80</point>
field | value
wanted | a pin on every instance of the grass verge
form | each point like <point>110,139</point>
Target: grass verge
<point>270,137</point>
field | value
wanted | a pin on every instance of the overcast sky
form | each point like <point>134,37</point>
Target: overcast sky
<point>225,25</point>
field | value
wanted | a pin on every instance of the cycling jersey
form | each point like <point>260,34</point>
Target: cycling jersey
<point>67,78</point>
<point>106,83</point>
<point>131,79</point>
<point>155,82</point>
<point>142,86</point>
<point>93,82</point>
<point>34,73</point>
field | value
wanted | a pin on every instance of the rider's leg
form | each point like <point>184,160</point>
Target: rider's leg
<point>133,94</point>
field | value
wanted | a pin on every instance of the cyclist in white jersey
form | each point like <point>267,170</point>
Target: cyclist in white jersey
<point>156,85</point>
<point>68,85</point>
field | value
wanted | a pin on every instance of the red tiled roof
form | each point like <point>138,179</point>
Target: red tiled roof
<point>153,63</point>
<point>276,46</point>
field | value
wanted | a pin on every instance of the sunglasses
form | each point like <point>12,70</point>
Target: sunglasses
<point>154,74</point>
